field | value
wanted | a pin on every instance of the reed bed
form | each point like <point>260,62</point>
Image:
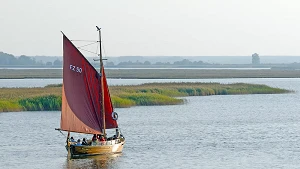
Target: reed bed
<point>9,106</point>
<point>197,89</point>
<point>49,97</point>
<point>41,103</point>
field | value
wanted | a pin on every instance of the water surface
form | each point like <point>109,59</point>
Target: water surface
<point>233,131</point>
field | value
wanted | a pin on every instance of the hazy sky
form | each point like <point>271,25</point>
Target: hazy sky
<point>153,27</point>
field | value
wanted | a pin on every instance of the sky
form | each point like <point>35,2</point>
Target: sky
<point>153,27</point>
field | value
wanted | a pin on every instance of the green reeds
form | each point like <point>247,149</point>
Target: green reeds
<point>9,106</point>
<point>122,102</point>
<point>41,103</point>
<point>49,98</point>
<point>149,99</point>
<point>197,89</point>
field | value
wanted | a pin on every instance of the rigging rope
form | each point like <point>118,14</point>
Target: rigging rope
<point>86,50</point>
<point>86,45</point>
<point>81,47</point>
<point>97,50</point>
<point>86,40</point>
<point>62,133</point>
<point>96,53</point>
<point>104,50</point>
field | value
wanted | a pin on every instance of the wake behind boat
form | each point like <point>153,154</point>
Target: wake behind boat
<point>86,105</point>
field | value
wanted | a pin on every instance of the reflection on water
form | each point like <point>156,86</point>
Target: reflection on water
<point>98,161</point>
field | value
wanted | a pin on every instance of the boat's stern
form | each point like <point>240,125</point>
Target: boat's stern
<point>109,147</point>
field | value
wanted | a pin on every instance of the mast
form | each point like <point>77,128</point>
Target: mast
<point>102,90</point>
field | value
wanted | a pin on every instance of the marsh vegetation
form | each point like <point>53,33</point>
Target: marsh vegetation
<point>49,98</point>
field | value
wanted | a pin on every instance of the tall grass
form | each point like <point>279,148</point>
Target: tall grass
<point>8,106</point>
<point>197,89</point>
<point>49,97</point>
<point>122,102</point>
<point>149,99</point>
<point>41,103</point>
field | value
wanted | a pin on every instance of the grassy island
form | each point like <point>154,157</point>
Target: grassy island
<point>49,98</point>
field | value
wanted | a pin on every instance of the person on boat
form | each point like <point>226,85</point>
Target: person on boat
<point>72,139</point>
<point>118,133</point>
<point>78,143</point>
<point>94,137</point>
<point>102,139</point>
<point>84,142</point>
<point>94,140</point>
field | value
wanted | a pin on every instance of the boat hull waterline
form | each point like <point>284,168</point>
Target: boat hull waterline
<point>77,150</point>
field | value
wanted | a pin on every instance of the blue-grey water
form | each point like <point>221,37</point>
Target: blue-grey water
<point>233,131</point>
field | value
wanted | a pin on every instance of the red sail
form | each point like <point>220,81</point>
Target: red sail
<point>81,110</point>
<point>109,121</point>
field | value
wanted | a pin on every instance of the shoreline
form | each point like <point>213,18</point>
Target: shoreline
<point>157,73</point>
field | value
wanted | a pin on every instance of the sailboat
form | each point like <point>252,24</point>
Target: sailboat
<point>86,104</point>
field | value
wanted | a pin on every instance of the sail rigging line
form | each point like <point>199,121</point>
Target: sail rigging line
<point>104,51</point>
<point>61,132</point>
<point>86,50</point>
<point>85,40</point>
<point>86,45</point>
<point>97,50</point>
<point>81,47</point>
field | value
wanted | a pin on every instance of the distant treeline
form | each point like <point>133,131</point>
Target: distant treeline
<point>147,63</point>
<point>11,60</point>
<point>184,62</point>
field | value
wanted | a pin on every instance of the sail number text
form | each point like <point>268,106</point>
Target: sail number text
<point>76,69</point>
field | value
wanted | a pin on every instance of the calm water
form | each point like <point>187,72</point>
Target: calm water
<point>239,131</point>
